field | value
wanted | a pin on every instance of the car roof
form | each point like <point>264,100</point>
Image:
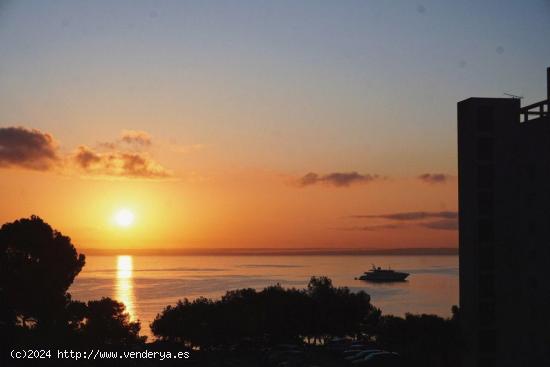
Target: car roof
<point>373,355</point>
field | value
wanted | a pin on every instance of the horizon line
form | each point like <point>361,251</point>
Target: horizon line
<point>196,251</point>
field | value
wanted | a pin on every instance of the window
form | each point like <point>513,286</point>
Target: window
<point>485,176</point>
<point>485,123</point>
<point>486,285</point>
<point>485,203</point>
<point>533,313</point>
<point>531,172</point>
<point>485,149</point>
<point>486,230</point>
<point>530,199</point>
<point>486,258</point>
<point>487,313</point>
<point>532,227</point>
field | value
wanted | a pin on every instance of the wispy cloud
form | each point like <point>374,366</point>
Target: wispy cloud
<point>372,228</point>
<point>443,224</point>
<point>337,179</point>
<point>27,148</point>
<point>442,220</point>
<point>128,139</point>
<point>410,216</point>
<point>434,178</point>
<point>136,137</point>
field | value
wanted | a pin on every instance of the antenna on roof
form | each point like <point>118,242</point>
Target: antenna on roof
<point>513,96</point>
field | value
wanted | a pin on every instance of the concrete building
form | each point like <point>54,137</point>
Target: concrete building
<point>504,210</point>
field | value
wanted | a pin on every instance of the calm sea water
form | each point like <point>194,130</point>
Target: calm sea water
<point>146,284</point>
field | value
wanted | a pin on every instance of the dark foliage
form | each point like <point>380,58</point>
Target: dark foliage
<point>272,315</point>
<point>37,266</point>
<point>106,322</point>
<point>423,340</point>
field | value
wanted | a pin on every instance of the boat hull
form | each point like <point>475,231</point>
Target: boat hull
<point>395,277</point>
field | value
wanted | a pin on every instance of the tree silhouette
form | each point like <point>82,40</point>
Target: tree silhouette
<point>37,266</point>
<point>336,311</point>
<point>423,340</point>
<point>272,315</point>
<point>108,323</point>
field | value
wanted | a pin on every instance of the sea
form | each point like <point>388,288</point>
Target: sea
<point>147,284</point>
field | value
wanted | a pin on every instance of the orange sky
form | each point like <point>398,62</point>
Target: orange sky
<point>279,124</point>
<point>239,208</point>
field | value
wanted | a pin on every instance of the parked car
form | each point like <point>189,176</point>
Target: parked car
<point>362,354</point>
<point>338,345</point>
<point>354,350</point>
<point>379,359</point>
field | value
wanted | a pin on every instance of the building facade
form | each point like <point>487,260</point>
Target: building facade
<point>504,231</point>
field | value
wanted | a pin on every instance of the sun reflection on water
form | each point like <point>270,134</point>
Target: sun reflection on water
<point>125,284</point>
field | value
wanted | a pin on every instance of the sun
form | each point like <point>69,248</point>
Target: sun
<point>124,218</point>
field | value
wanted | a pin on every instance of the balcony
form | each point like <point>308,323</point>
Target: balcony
<point>534,111</point>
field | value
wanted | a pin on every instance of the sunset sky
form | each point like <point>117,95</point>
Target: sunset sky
<point>251,123</point>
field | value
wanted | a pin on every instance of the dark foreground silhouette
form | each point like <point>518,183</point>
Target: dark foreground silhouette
<point>317,326</point>
<point>273,315</point>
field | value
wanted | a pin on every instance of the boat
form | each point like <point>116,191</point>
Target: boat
<point>377,274</point>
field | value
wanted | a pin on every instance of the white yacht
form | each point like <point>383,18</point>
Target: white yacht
<point>377,274</point>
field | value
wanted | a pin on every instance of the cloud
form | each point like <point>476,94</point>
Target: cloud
<point>411,216</point>
<point>136,137</point>
<point>434,178</point>
<point>118,164</point>
<point>443,224</point>
<point>27,148</point>
<point>444,220</point>
<point>371,228</point>
<point>129,138</point>
<point>338,179</point>
<point>33,149</point>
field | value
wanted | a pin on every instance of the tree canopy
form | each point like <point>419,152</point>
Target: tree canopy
<point>274,314</point>
<point>108,323</point>
<point>37,266</point>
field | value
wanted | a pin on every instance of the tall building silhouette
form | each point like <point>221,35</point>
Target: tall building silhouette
<point>504,208</point>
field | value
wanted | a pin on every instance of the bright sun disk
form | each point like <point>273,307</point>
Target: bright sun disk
<point>124,218</point>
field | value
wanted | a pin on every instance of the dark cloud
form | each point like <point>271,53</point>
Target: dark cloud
<point>443,224</point>
<point>444,220</point>
<point>434,178</point>
<point>338,179</point>
<point>118,164</point>
<point>411,216</point>
<point>27,148</point>
<point>33,149</point>
<point>372,228</point>
<point>136,137</point>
